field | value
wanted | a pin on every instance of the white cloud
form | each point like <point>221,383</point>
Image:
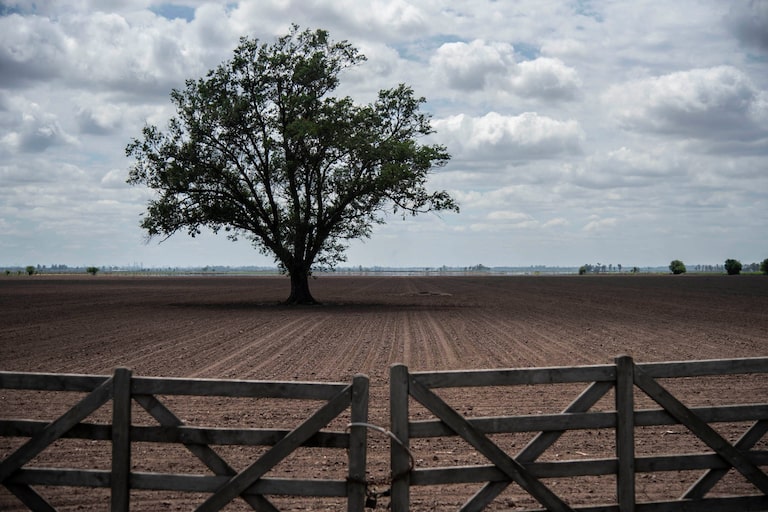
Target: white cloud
<point>478,66</point>
<point>475,65</point>
<point>714,103</point>
<point>31,49</point>
<point>522,137</point>
<point>30,129</point>
<point>546,78</point>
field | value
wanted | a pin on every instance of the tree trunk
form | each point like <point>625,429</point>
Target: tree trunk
<point>300,293</point>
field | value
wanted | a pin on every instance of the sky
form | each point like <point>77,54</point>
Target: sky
<point>581,131</point>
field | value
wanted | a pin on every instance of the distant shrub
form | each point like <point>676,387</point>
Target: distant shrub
<point>92,270</point>
<point>733,267</point>
<point>30,269</point>
<point>764,266</point>
<point>582,270</point>
<point>677,267</point>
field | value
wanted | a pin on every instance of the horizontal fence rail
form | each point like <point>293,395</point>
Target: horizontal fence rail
<point>624,379</point>
<point>222,481</point>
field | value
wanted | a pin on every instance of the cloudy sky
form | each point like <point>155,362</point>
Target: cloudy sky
<point>581,131</point>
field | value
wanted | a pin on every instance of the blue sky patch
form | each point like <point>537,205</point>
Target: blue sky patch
<point>174,11</point>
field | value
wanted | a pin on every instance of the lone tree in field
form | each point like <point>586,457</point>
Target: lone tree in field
<point>733,267</point>
<point>260,149</point>
<point>677,267</point>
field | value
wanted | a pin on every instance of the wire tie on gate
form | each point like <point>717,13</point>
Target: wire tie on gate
<point>371,496</point>
<point>391,435</point>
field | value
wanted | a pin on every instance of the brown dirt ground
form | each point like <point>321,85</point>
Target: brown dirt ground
<point>234,327</point>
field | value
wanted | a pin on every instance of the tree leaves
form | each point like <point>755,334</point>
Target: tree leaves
<point>260,148</point>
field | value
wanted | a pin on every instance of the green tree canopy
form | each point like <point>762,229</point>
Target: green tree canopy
<point>677,267</point>
<point>261,149</point>
<point>733,267</point>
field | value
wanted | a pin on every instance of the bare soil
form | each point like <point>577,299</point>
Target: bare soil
<point>235,327</point>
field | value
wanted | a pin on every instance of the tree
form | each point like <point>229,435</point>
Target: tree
<point>30,270</point>
<point>260,149</point>
<point>92,270</point>
<point>732,267</point>
<point>677,267</point>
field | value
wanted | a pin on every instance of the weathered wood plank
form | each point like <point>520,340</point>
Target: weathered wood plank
<point>30,497</point>
<point>272,486</point>
<point>236,388</point>
<point>489,473</point>
<point>625,433</point>
<point>358,445</point>
<point>477,439</point>
<point>517,376</point>
<point>705,367</point>
<point>528,423</point>
<point>692,461</point>
<point>588,420</point>
<point>243,480</point>
<point>51,381</point>
<point>576,467</point>
<point>177,434</point>
<point>56,429</point>
<point>178,482</point>
<point>702,430</point>
<point>747,412</point>
<point>62,477</point>
<point>400,460</point>
<point>121,440</point>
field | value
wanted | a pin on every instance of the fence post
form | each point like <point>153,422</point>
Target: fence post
<point>399,458</point>
<point>356,487</point>
<point>121,440</point>
<point>625,433</point>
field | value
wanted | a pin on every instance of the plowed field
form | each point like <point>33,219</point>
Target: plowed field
<point>235,327</point>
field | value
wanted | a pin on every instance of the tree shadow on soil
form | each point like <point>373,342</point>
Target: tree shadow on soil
<point>419,301</point>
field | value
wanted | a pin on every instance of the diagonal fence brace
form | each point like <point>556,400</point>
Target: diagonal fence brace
<point>481,443</point>
<point>240,482</point>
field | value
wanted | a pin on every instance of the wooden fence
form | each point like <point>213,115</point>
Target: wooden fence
<point>223,483</point>
<point>624,378</point>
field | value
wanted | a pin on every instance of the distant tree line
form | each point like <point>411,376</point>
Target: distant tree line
<point>600,268</point>
<point>31,270</point>
<point>731,267</point>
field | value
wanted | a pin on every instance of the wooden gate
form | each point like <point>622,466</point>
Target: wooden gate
<point>222,481</point>
<point>625,379</point>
